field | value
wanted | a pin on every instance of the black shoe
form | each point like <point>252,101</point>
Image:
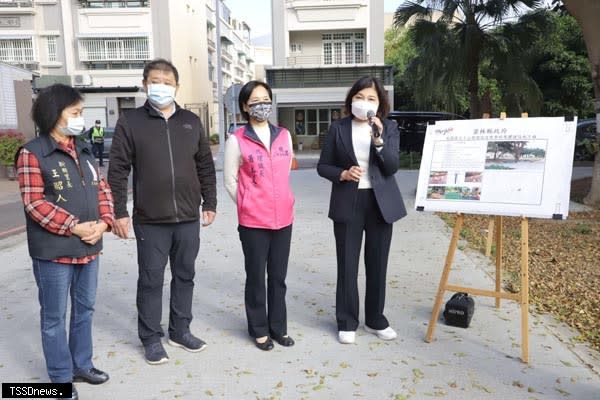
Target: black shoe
<point>188,342</point>
<point>92,376</point>
<point>74,395</point>
<point>155,353</point>
<point>284,340</point>
<point>266,345</point>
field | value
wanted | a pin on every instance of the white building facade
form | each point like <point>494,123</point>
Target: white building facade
<point>101,47</point>
<point>320,47</point>
<point>237,55</point>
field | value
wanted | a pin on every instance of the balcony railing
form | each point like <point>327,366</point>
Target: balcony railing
<point>334,76</point>
<point>17,51</point>
<point>114,3</point>
<point>114,49</point>
<point>13,8</point>
<point>17,4</point>
<point>320,60</point>
<point>227,55</point>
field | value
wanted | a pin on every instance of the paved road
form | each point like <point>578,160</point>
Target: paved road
<point>481,362</point>
<point>12,220</point>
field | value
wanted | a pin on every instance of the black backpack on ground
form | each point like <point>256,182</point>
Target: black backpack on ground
<point>459,310</point>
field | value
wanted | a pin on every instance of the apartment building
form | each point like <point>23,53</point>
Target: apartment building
<point>101,46</point>
<point>237,54</point>
<point>320,47</point>
<point>15,99</point>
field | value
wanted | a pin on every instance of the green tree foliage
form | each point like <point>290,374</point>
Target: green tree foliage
<point>399,51</point>
<point>559,65</point>
<point>413,87</point>
<point>454,35</point>
<point>509,60</point>
<point>536,64</point>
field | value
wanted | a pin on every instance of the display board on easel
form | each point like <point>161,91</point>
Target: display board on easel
<point>502,167</point>
<point>510,167</point>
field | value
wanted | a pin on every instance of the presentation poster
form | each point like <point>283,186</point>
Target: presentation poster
<point>513,167</point>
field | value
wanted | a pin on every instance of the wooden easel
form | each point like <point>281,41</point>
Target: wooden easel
<point>522,297</point>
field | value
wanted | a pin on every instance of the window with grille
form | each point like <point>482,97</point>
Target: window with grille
<point>17,50</point>
<point>114,49</point>
<point>343,48</point>
<point>359,52</point>
<point>296,48</point>
<point>211,71</point>
<point>327,54</point>
<point>51,43</point>
<point>113,4</point>
<point>312,122</point>
<point>16,3</point>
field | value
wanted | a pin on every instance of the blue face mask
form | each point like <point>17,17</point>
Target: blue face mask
<point>161,95</point>
<point>74,126</point>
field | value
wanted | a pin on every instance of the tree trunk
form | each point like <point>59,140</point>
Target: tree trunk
<point>587,13</point>
<point>475,104</point>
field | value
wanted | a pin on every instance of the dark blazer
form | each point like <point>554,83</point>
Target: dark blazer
<point>338,155</point>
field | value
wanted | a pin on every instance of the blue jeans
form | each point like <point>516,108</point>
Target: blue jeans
<point>55,281</point>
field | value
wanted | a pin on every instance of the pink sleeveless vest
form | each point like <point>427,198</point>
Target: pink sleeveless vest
<point>264,196</point>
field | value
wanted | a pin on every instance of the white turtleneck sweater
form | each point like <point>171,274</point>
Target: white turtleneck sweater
<point>361,142</point>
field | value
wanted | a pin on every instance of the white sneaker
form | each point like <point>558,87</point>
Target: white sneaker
<point>346,337</point>
<point>383,334</point>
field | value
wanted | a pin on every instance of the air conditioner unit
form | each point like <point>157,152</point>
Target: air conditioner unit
<point>82,80</point>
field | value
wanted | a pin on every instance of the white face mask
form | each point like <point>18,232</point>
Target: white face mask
<point>161,95</point>
<point>74,127</point>
<point>360,109</point>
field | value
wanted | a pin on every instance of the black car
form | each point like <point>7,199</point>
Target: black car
<point>586,135</point>
<point>413,125</point>
<point>232,127</point>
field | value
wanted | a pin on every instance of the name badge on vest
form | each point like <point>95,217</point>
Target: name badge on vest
<point>94,173</point>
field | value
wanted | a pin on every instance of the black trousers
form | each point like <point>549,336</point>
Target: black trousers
<point>98,151</point>
<point>270,249</point>
<point>156,244</point>
<point>348,242</point>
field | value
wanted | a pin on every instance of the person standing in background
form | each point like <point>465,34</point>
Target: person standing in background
<point>96,135</point>
<point>360,158</point>
<point>173,176</point>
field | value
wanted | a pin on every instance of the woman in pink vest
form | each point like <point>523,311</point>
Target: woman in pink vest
<point>256,170</point>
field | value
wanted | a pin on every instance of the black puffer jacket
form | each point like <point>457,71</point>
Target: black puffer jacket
<point>173,168</point>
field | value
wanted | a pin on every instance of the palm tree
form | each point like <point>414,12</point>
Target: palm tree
<point>457,39</point>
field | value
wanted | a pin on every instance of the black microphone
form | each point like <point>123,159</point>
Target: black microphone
<point>370,115</point>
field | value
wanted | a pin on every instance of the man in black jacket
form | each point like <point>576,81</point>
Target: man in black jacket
<point>173,176</point>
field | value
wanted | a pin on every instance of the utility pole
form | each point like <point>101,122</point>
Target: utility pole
<point>221,151</point>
